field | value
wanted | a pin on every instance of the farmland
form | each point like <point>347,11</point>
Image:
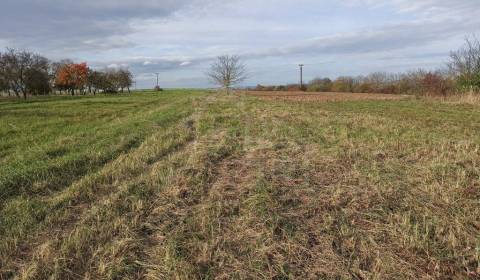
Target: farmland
<point>324,96</point>
<point>188,184</point>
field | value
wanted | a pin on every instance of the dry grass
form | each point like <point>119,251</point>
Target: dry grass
<point>247,189</point>
<point>471,98</point>
<point>322,97</point>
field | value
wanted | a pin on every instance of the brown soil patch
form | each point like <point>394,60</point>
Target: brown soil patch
<point>321,96</point>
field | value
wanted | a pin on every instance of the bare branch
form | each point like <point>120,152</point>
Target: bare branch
<point>465,64</point>
<point>227,71</point>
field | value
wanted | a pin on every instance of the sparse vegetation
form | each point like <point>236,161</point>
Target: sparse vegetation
<point>188,185</point>
<point>420,83</point>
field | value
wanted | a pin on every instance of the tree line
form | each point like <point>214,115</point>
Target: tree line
<point>462,74</point>
<point>24,73</point>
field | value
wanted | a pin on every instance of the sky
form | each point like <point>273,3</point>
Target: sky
<point>180,38</point>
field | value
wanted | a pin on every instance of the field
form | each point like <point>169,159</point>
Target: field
<point>196,185</point>
<point>324,96</point>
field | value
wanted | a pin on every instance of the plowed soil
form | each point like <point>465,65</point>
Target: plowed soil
<point>323,96</point>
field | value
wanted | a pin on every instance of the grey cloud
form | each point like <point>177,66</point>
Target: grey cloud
<point>69,28</point>
<point>77,24</point>
<point>386,38</point>
<point>423,6</point>
<point>382,43</point>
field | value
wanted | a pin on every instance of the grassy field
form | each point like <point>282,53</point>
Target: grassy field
<point>196,185</point>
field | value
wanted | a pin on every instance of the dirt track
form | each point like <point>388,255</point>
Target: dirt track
<point>321,96</point>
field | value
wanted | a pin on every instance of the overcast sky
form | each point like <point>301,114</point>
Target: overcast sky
<point>178,38</point>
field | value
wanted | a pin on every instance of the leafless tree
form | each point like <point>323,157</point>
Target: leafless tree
<point>4,87</point>
<point>227,71</point>
<point>25,72</point>
<point>465,63</point>
<point>125,79</point>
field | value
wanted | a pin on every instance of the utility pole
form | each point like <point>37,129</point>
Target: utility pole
<point>157,78</point>
<point>301,76</point>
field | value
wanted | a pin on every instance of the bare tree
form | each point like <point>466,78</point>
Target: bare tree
<point>125,79</point>
<point>227,71</point>
<point>25,72</point>
<point>4,87</point>
<point>465,64</point>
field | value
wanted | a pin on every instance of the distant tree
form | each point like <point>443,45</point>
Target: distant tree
<point>107,81</point>
<point>436,83</point>
<point>3,81</point>
<point>320,85</point>
<point>227,71</point>
<point>280,88</point>
<point>343,84</point>
<point>411,82</point>
<point>80,77</point>
<point>95,81</point>
<point>24,71</point>
<point>3,84</point>
<point>55,68</point>
<point>293,87</point>
<point>265,88</point>
<point>465,64</point>
<point>72,77</point>
<point>112,81</point>
<point>37,82</point>
<point>125,79</point>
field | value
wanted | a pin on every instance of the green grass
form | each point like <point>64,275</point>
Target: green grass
<point>192,185</point>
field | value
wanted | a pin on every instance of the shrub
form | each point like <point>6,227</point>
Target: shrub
<point>465,65</point>
<point>320,85</point>
<point>435,84</point>
<point>343,84</point>
<point>293,87</point>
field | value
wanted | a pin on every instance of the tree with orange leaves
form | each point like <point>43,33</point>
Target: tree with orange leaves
<point>72,76</point>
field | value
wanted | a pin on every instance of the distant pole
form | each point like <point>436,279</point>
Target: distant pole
<point>157,77</point>
<point>301,76</point>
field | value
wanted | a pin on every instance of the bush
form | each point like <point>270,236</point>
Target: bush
<point>435,84</point>
<point>293,87</point>
<point>320,85</point>
<point>280,88</point>
<point>364,87</point>
<point>264,88</point>
<point>465,65</point>
<point>343,84</point>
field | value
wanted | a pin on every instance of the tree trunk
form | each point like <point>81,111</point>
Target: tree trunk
<point>73,92</point>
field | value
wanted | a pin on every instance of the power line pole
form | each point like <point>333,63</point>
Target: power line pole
<point>157,77</point>
<point>301,76</point>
